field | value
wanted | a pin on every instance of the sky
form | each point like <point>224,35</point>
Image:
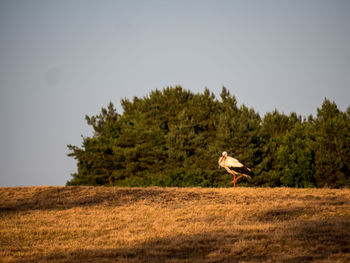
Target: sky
<point>62,60</point>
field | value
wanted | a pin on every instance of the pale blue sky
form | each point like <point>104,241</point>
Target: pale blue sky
<point>60,60</point>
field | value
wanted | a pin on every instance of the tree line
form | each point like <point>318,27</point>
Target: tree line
<point>173,137</point>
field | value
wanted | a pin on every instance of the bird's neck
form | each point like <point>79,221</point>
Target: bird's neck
<point>223,158</point>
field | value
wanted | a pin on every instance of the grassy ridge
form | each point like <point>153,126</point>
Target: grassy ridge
<point>99,224</point>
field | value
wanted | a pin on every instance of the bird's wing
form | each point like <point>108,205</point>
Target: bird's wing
<point>230,161</point>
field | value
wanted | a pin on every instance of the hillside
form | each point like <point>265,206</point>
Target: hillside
<point>101,224</point>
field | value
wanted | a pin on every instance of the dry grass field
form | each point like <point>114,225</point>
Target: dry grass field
<point>101,224</point>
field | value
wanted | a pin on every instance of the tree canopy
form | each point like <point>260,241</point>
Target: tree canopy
<point>174,137</point>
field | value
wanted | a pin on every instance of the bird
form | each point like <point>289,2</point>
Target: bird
<point>234,167</point>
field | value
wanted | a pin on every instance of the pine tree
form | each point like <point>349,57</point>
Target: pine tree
<point>96,159</point>
<point>331,146</point>
<point>296,158</point>
<point>274,126</point>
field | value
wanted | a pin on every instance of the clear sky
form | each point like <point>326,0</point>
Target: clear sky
<point>61,60</point>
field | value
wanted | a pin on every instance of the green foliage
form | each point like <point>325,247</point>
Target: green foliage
<point>331,146</point>
<point>174,138</point>
<point>296,159</point>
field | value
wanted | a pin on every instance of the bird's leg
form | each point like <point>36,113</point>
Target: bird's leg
<point>235,179</point>
<point>239,177</point>
<point>234,176</point>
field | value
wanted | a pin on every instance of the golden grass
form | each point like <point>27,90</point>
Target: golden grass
<point>100,224</point>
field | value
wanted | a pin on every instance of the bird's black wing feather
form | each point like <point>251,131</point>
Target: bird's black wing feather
<point>242,170</point>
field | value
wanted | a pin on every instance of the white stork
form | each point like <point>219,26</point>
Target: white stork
<point>234,167</point>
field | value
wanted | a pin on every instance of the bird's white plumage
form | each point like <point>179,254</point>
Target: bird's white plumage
<point>230,162</point>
